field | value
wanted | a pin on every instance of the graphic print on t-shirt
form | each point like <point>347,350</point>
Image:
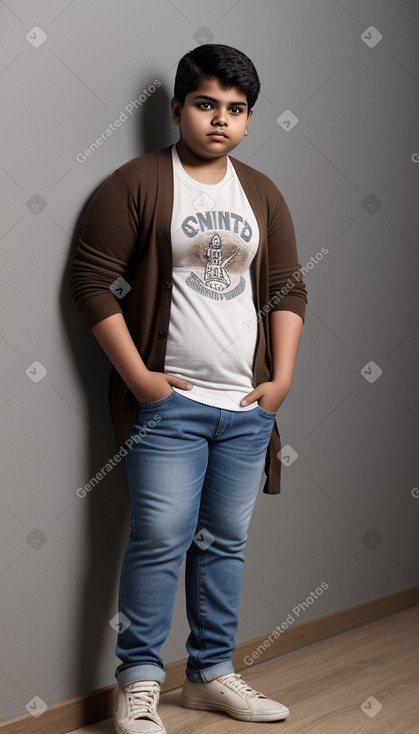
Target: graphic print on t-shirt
<point>217,258</point>
<point>216,275</point>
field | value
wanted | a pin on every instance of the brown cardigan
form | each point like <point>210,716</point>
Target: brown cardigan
<point>126,233</point>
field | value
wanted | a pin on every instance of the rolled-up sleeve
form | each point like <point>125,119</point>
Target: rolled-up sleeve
<point>287,289</point>
<point>104,250</point>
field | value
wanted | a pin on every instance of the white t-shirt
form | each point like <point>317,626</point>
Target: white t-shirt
<point>215,237</point>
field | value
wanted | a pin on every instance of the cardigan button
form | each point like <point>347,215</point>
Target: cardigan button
<point>168,285</point>
<point>162,333</point>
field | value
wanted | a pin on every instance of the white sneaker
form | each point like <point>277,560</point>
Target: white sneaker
<point>136,711</point>
<point>231,694</point>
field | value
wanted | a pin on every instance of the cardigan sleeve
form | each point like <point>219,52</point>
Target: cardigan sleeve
<point>286,285</point>
<point>104,250</point>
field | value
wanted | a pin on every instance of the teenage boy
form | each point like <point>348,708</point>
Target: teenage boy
<point>203,348</point>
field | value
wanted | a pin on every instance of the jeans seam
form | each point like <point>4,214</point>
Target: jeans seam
<point>269,413</point>
<point>132,534</point>
<point>200,605</point>
<point>158,403</point>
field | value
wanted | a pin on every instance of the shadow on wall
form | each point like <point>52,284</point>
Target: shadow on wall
<point>106,507</point>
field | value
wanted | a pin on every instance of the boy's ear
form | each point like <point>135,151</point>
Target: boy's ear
<point>176,109</point>
<point>249,114</point>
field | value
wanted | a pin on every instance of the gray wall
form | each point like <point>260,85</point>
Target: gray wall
<point>348,512</point>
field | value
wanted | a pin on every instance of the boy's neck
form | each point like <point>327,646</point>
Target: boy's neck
<point>204,170</point>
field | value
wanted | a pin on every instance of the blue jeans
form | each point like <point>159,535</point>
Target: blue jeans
<point>193,479</point>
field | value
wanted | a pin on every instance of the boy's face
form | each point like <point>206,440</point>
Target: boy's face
<point>212,120</point>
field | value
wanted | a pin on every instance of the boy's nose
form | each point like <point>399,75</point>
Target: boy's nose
<point>220,119</point>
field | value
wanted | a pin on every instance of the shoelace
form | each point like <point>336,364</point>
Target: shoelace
<point>142,699</point>
<point>235,681</point>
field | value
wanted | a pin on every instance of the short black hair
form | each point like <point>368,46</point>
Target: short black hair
<point>230,66</point>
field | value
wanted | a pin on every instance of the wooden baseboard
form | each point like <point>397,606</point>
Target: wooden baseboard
<point>82,710</point>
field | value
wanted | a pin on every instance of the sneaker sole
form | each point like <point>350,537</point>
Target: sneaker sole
<point>123,731</point>
<point>202,705</point>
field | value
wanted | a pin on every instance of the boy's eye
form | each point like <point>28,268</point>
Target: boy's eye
<point>209,106</point>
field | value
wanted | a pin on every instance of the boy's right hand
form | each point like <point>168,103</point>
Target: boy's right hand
<point>157,385</point>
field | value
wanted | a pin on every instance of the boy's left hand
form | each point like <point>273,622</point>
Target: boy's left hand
<point>269,395</point>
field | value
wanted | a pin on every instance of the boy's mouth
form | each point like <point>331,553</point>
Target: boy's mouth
<point>218,134</point>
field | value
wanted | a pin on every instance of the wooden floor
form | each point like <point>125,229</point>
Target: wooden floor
<point>324,685</point>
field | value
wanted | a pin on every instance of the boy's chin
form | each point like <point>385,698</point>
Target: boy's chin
<point>217,150</point>
<point>207,153</point>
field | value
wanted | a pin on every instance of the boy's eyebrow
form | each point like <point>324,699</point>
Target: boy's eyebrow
<point>211,99</point>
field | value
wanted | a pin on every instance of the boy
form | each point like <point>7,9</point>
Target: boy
<point>203,348</point>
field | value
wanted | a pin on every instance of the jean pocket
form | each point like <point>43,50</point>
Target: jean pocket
<point>157,403</point>
<point>267,413</point>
